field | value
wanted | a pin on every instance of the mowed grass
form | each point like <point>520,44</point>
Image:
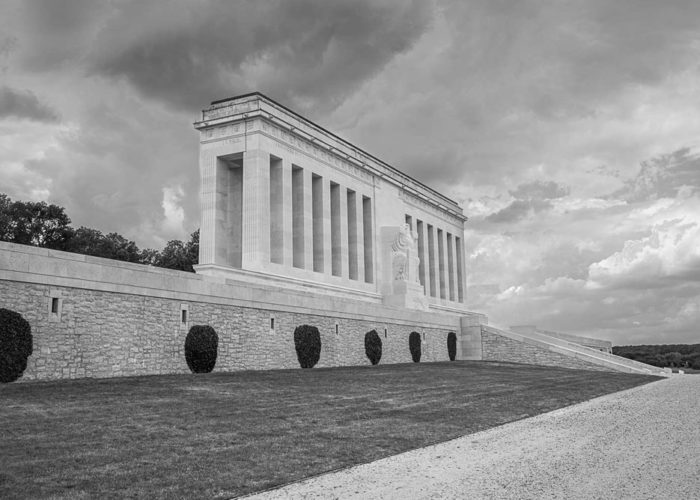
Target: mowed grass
<point>226,434</point>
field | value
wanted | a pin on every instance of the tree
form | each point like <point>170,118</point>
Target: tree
<point>118,247</point>
<point>414,346</point>
<point>44,225</point>
<point>34,223</point>
<point>149,256</point>
<point>5,203</point>
<point>15,345</point>
<point>673,359</point>
<point>201,348</point>
<point>89,241</point>
<point>373,346</point>
<point>179,255</point>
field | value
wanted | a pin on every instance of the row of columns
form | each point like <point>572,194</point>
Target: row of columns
<point>290,216</point>
<point>441,254</point>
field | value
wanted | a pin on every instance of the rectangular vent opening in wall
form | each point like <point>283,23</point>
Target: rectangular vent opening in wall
<point>55,306</point>
<point>184,315</point>
<point>272,324</point>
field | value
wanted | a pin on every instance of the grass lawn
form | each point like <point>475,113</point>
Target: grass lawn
<point>226,434</point>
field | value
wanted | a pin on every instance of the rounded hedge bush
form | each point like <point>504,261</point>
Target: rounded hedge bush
<point>452,345</point>
<point>414,346</point>
<point>201,347</point>
<point>307,342</point>
<point>373,346</point>
<point>15,345</point>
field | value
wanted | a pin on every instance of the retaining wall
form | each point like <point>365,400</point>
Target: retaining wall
<point>497,347</point>
<point>115,319</point>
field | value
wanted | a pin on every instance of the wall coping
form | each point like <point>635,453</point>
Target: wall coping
<point>617,363</point>
<point>29,264</point>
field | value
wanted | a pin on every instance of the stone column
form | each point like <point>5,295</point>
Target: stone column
<point>308,222</point>
<point>459,252</point>
<point>426,258</point>
<point>438,275</point>
<point>455,267</point>
<point>287,210</point>
<point>207,242</point>
<point>344,231</point>
<point>256,210</point>
<point>446,269</point>
<point>328,242</point>
<point>360,238</point>
<point>432,262</point>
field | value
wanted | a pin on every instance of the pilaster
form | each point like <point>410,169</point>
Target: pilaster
<point>426,258</point>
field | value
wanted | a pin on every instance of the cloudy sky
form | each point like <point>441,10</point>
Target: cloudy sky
<point>569,131</point>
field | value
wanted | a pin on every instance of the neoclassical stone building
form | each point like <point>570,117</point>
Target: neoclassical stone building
<point>298,227</point>
<point>287,203</point>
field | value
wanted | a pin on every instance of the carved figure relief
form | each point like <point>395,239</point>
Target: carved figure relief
<point>404,255</point>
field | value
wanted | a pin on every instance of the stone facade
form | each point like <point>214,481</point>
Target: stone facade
<point>298,227</point>
<point>287,203</point>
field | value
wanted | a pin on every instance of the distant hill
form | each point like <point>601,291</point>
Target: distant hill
<point>666,355</point>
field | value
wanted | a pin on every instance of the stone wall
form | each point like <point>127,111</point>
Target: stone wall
<point>116,319</point>
<point>127,319</point>
<point>500,348</point>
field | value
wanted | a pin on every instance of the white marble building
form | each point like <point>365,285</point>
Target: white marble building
<point>289,204</point>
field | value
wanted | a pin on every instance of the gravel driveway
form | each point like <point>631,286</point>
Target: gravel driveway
<point>639,443</point>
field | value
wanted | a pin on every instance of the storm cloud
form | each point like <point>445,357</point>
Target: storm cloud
<point>23,104</point>
<point>309,54</point>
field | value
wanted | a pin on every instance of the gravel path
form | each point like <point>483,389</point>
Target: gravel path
<point>639,443</point>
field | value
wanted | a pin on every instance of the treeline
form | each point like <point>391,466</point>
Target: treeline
<point>48,226</point>
<point>668,355</point>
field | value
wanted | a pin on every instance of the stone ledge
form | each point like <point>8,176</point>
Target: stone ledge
<point>27,264</point>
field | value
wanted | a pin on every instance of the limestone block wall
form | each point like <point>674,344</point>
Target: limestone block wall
<point>500,348</point>
<point>120,319</point>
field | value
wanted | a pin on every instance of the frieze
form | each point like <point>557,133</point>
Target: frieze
<point>429,207</point>
<point>230,110</point>
<point>314,150</point>
<point>217,143</point>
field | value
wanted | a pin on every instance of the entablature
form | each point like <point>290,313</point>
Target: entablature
<point>238,114</point>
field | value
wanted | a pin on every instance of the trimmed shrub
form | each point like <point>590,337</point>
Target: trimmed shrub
<point>307,342</point>
<point>201,347</point>
<point>414,346</point>
<point>452,345</point>
<point>373,346</point>
<point>15,345</point>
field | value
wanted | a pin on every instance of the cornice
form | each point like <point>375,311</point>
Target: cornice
<point>310,137</point>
